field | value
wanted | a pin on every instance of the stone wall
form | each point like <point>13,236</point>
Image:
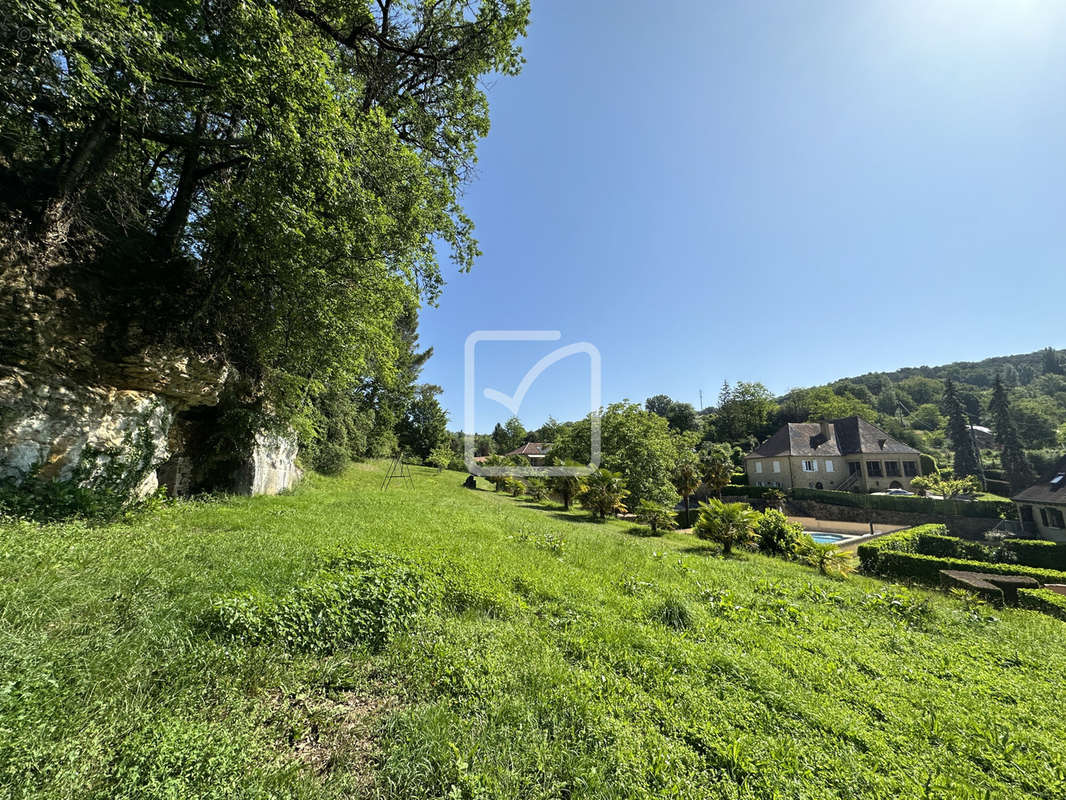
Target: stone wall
<point>967,527</point>
<point>270,467</point>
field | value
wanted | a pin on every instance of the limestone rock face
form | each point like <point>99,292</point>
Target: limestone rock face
<point>100,437</point>
<point>270,467</point>
<point>134,433</point>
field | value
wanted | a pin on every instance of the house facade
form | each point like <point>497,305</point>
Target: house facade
<point>536,452</point>
<point>848,454</point>
<point>1042,507</point>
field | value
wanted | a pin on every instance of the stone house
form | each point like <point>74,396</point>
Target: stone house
<point>848,454</point>
<point>1042,507</point>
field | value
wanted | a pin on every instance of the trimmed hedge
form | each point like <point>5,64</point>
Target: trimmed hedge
<point>905,541</point>
<point>921,552</point>
<point>748,491</point>
<point>990,509</point>
<point>931,540</point>
<point>1044,600</point>
<point>926,569</point>
<point>1037,553</point>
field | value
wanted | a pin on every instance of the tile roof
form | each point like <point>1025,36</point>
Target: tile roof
<point>1045,491</point>
<point>531,449</point>
<point>847,436</point>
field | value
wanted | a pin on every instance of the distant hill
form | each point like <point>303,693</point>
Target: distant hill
<point>906,402</point>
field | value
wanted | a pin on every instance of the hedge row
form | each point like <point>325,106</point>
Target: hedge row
<point>1044,600</point>
<point>991,509</point>
<point>926,569</point>
<point>1037,553</point>
<point>930,540</point>
<point>748,491</point>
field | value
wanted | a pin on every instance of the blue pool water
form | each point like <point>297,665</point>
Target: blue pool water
<point>826,538</point>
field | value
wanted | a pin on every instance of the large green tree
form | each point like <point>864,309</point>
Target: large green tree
<point>425,425</point>
<point>1015,464</point>
<point>743,412</point>
<point>634,442</point>
<point>966,461</point>
<point>263,180</point>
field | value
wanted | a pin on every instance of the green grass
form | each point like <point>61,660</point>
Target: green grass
<point>553,657</point>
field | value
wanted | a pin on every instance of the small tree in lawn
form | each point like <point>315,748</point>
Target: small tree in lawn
<point>565,487</point>
<point>687,479</point>
<point>656,516</point>
<point>440,457</point>
<point>728,524</point>
<point>536,489</point>
<point>718,467</point>
<point>603,492</point>
<point>514,486</point>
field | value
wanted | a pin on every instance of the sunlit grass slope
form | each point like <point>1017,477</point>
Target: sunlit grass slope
<point>582,661</point>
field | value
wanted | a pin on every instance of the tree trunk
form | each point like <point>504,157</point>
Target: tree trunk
<point>88,158</point>
<point>688,522</point>
<point>173,226</point>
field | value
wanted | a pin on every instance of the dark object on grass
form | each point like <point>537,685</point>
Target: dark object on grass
<point>470,482</point>
<point>998,589</point>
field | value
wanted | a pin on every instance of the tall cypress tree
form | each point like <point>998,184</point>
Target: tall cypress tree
<point>1015,463</point>
<point>966,459</point>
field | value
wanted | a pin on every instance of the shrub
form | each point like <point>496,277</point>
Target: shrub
<point>728,524</point>
<point>1043,600</point>
<point>828,558</point>
<point>363,599</point>
<point>536,489</point>
<point>329,458</point>
<point>778,536</point>
<point>656,516</point>
<point>603,493</point>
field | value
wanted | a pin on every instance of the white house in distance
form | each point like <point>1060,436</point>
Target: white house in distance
<point>536,452</point>
<point>1042,507</point>
<point>841,454</point>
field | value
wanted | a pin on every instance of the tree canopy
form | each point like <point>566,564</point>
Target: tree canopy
<point>265,180</point>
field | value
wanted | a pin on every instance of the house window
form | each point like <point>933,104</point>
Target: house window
<point>873,469</point>
<point>1052,518</point>
<point>892,469</point>
<point>758,467</point>
<point>777,466</point>
<point>828,465</point>
<point>810,466</point>
<point>910,468</point>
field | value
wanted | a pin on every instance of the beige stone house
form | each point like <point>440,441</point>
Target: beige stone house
<point>1042,507</point>
<point>848,454</point>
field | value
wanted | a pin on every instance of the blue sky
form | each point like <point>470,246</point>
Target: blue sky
<point>774,191</point>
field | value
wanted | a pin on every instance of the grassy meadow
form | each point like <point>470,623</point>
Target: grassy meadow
<point>438,642</point>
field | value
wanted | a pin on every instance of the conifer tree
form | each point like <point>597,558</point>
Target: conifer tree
<point>966,458</point>
<point>1015,463</point>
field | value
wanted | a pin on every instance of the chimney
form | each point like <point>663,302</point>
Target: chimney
<point>826,430</point>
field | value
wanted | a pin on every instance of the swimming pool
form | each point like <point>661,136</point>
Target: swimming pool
<point>826,538</point>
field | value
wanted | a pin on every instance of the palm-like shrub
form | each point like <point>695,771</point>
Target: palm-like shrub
<point>778,536</point>
<point>565,487</point>
<point>536,489</point>
<point>728,524</point>
<point>656,516</point>
<point>828,558</point>
<point>513,485</point>
<point>603,492</point>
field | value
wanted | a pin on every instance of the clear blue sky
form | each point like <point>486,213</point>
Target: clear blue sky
<point>774,191</point>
